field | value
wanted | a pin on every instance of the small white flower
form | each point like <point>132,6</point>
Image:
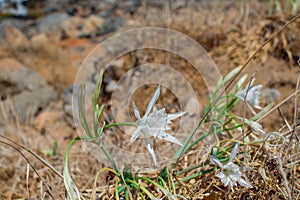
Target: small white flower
<point>230,172</point>
<point>253,96</point>
<point>154,124</point>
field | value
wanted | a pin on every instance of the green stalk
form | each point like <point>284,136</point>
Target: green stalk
<point>72,190</point>
<point>184,148</point>
<point>107,154</point>
<point>198,140</point>
<point>119,124</point>
<point>187,178</point>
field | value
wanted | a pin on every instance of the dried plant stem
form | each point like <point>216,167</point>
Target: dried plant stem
<point>285,182</point>
<point>48,190</point>
<point>35,155</point>
<point>284,119</point>
<point>294,132</point>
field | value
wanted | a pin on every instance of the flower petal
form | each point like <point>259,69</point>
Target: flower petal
<point>151,150</point>
<point>169,138</point>
<point>254,95</point>
<point>234,151</point>
<point>175,115</point>
<point>231,184</point>
<point>136,111</point>
<point>153,100</point>
<point>225,179</point>
<point>167,128</point>
<point>135,134</point>
<point>216,161</point>
<point>244,183</point>
<point>220,175</point>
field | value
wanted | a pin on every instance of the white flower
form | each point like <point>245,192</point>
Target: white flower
<point>230,172</point>
<point>154,124</point>
<point>253,96</point>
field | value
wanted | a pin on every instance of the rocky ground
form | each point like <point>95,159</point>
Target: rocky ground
<point>41,52</point>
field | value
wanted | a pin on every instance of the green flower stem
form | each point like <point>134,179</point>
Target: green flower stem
<point>198,140</point>
<point>184,148</point>
<point>187,178</point>
<point>119,124</point>
<point>71,188</point>
<point>109,157</point>
<point>69,147</point>
<point>192,167</point>
<point>233,127</point>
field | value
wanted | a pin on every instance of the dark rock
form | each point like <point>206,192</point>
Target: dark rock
<point>54,5</point>
<point>52,24</point>
<point>111,25</point>
<point>72,10</point>
<point>25,26</point>
<point>27,90</point>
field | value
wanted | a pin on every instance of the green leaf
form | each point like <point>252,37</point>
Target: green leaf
<point>232,74</point>
<point>81,106</point>
<point>98,87</point>
<point>263,112</point>
<point>71,188</point>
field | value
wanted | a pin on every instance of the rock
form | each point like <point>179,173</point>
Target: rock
<point>39,41</point>
<point>52,124</point>
<point>73,10</point>
<point>27,90</point>
<point>111,25</point>
<point>14,37</point>
<point>82,27</point>
<point>67,101</point>
<point>91,25</point>
<point>19,24</point>
<point>54,5</point>
<point>72,27</point>
<point>52,24</point>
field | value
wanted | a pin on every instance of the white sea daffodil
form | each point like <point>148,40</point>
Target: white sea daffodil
<point>250,95</point>
<point>154,124</point>
<point>230,172</point>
